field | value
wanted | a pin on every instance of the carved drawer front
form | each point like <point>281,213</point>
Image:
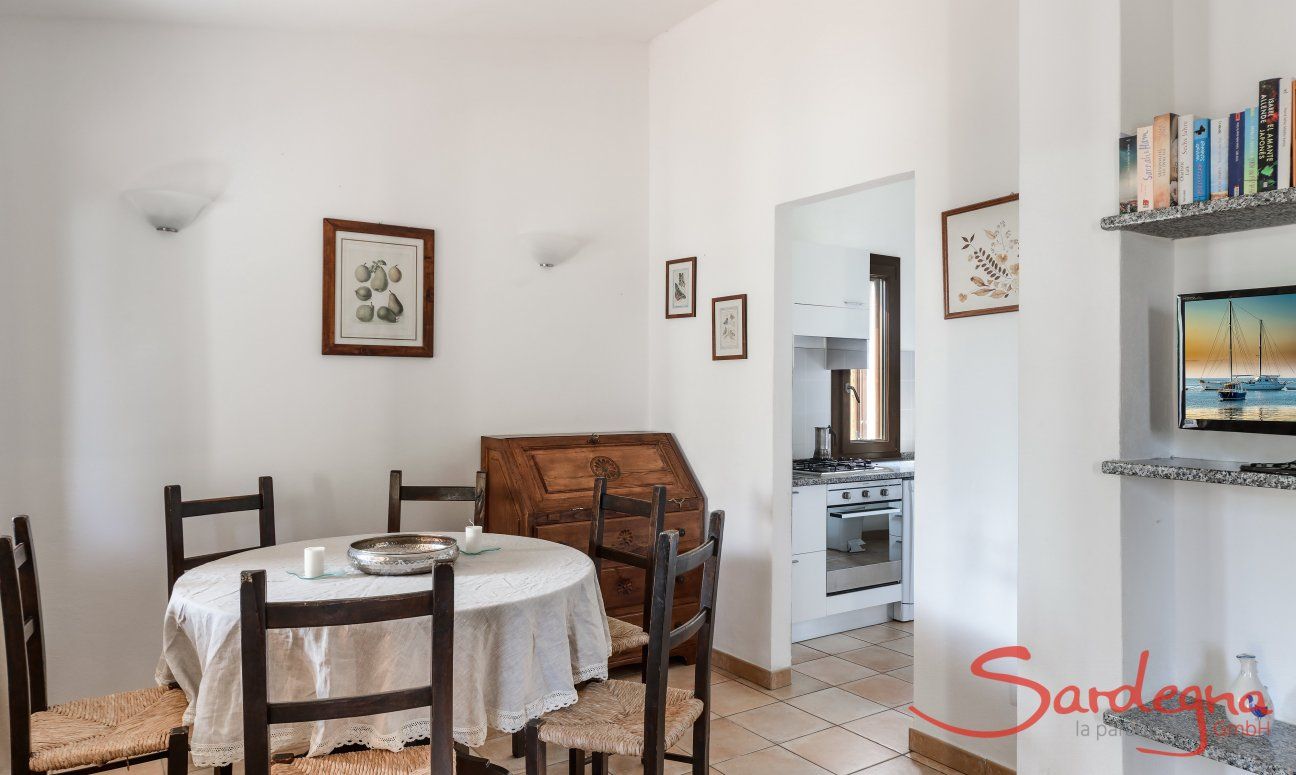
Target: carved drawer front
<point>629,534</point>
<point>623,587</point>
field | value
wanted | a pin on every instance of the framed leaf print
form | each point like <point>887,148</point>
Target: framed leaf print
<point>377,289</point>
<point>982,258</point>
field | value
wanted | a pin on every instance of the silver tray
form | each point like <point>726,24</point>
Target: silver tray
<point>402,554</point>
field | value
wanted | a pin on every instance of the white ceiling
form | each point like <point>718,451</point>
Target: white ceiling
<point>606,19</point>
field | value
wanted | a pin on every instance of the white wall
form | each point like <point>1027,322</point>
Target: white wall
<point>136,359</point>
<point>1239,533</point>
<point>759,103</point>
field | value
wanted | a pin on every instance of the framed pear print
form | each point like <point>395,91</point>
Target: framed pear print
<point>681,288</point>
<point>982,258</point>
<point>729,328</point>
<point>377,289</point>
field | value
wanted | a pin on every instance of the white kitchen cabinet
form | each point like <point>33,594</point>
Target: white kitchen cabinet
<point>809,586</point>
<point>830,276</point>
<point>808,509</point>
<point>836,322</point>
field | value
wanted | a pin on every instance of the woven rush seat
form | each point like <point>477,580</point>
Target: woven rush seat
<point>609,717</point>
<point>412,760</point>
<point>625,636</point>
<point>99,730</point>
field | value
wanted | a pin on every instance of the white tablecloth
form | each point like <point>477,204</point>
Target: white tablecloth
<point>529,626</point>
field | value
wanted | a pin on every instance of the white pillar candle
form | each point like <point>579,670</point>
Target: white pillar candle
<point>472,538</point>
<point>313,562</point>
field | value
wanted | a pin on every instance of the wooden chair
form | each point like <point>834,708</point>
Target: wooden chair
<point>644,720</point>
<point>82,736</point>
<point>178,510</point>
<point>398,493</point>
<point>626,637</point>
<point>258,617</point>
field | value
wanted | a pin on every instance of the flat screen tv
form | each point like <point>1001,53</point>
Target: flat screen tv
<point>1237,360</point>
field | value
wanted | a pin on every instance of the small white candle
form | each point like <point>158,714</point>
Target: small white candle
<point>313,562</point>
<point>472,538</point>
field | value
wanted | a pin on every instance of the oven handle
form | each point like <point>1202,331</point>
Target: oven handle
<point>852,513</point>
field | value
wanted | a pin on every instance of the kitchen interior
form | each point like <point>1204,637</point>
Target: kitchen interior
<point>851,256</point>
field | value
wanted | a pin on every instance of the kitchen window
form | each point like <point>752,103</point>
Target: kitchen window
<point>866,402</point>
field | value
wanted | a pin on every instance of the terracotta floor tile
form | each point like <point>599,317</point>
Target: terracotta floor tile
<point>500,751</point>
<point>801,684</point>
<point>904,673</point>
<point>901,765</point>
<point>839,751</point>
<point>906,626</point>
<point>625,765</point>
<point>681,677</point>
<point>833,670</point>
<point>728,740</point>
<point>879,658</point>
<point>802,653</point>
<point>733,697</point>
<point>836,706</point>
<point>878,633</point>
<point>771,761</point>
<point>882,689</point>
<point>888,728</point>
<point>903,645</point>
<point>779,722</point>
<point>832,644</point>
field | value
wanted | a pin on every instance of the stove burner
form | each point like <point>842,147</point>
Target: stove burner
<point>831,466</point>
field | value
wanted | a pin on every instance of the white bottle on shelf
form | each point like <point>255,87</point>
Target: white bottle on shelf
<point>1252,703</point>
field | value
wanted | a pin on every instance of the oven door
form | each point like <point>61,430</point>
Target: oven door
<point>864,546</point>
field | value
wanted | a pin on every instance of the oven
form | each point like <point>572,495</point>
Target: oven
<point>865,535</point>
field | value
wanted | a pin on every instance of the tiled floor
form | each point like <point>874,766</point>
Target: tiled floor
<point>844,713</point>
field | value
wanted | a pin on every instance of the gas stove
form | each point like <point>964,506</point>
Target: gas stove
<point>831,467</point>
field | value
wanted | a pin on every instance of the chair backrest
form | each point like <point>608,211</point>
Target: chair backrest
<point>24,639</point>
<point>259,617</point>
<point>662,638</point>
<point>178,510</point>
<point>654,511</point>
<point>398,493</point>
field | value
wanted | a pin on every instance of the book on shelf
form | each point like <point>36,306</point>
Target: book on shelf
<point>1219,158</point>
<point>1267,136</point>
<point>1128,178</point>
<point>1184,155</point>
<point>1143,166</point>
<point>1251,151</point>
<point>1201,169</point>
<point>1285,133</point>
<point>1237,152</point>
<point>1165,161</point>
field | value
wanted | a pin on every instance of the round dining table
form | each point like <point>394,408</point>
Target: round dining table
<point>529,626</point>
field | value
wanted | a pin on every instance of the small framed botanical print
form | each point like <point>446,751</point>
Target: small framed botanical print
<point>982,258</point>
<point>377,289</point>
<point>729,328</point>
<point>681,288</point>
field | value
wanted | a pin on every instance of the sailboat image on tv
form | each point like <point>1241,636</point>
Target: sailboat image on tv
<point>1235,386</point>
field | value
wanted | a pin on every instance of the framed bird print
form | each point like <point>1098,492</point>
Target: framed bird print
<point>377,289</point>
<point>729,328</point>
<point>681,288</point>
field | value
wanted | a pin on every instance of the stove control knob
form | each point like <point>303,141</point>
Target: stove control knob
<point>846,495</point>
<point>864,494</point>
<point>883,493</point>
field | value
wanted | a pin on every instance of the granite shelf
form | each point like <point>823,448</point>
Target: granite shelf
<point>1220,216</point>
<point>1272,754</point>
<point>1185,469</point>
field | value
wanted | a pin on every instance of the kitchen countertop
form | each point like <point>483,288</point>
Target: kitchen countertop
<point>891,469</point>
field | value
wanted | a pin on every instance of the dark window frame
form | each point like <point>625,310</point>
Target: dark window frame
<point>887,268</point>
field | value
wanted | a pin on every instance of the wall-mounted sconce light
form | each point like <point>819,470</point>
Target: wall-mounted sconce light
<point>166,210</point>
<point>548,249</point>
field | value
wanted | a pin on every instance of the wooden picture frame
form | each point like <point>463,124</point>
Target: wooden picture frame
<point>364,263</point>
<point>725,344</point>
<point>987,270</point>
<point>681,287</point>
